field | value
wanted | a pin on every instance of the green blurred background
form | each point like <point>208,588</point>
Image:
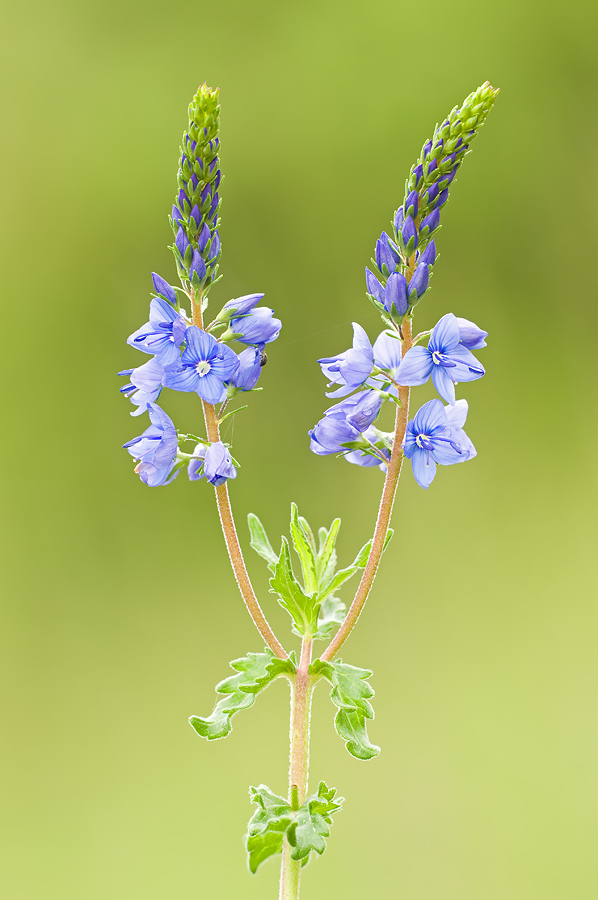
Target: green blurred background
<point>120,613</point>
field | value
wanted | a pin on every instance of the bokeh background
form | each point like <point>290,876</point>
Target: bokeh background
<point>119,612</point>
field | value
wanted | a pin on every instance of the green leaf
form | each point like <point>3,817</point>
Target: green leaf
<point>332,612</point>
<point>312,823</point>
<point>305,551</point>
<point>260,542</point>
<point>326,563</point>
<point>302,608</point>
<point>267,826</point>
<point>360,561</point>
<point>351,694</point>
<point>305,828</point>
<point>254,672</point>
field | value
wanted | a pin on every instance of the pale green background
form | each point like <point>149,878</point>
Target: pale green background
<point>120,613</point>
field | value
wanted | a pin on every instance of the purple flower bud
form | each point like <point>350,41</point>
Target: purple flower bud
<point>217,180</point>
<point>214,248</point>
<point>176,215</point>
<point>374,287</point>
<point>418,174</point>
<point>411,204</point>
<point>329,434</point>
<point>183,198</point>
<point>162,288</point>
<point>399,218</point>
<point>430,195</point>
<point>429,255</point>
<point>419,282</point>
<point>194,181</point>
<point>214,205</point>
<point>198,266</point>
<point>433,165</point>
<point>442,198</point>
<point>181,242</point>
<point>250,366</point>
<point>409,234</point>
<point>430,223</point>
<point>396,294</point>
<point>387,254</point>
<point>203,237</point>
<point>426,149</point>
<point>204,194</point>
<point>472,337</point>
<point>259,327</point>
<point>195,214</point>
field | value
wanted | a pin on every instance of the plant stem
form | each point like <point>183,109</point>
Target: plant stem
<point>384,514</point>
<point>301,692</point>
<point>228,524</point>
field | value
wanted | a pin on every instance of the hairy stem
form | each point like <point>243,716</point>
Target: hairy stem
<point>228,525</point>
<point>301,691</point>
<point>384,514</point>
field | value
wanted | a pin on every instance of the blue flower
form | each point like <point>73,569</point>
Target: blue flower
<point>445,358</point>
<point>259,327</point>
<point>162,335</point>
<point>388,258</point>
<point>216,462</point>
<point>330,433</point>
<point>145,385</point>
<point>161,287</point>
<point>432,437</point>
<point>251,362</point>
<point>204,366</point>
<point>387,353</point>
<point>351,368</point>
<point>359,458</point>
<point>156,449</point>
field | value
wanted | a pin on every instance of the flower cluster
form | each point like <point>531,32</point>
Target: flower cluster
<point>184,354</point>
<point>368,376</point>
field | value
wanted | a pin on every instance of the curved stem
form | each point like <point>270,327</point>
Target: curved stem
<point>301,692</point>
<point>228,524</point>
<point>384,514</point>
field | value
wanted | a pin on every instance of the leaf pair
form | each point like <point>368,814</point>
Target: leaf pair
<point>351,694</point>
<point>255,672</point>
<point>306,828</point>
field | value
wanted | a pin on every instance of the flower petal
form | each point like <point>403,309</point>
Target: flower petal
<point>429,417</point>
<point>424,468</point>
<point>210,388</point>
<point>445,335</point>
<point>443,383</point>
<point>416,367</point>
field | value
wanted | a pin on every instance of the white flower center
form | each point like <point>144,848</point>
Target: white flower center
<point>202,368</point>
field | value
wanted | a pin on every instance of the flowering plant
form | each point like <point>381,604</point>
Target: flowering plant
<point>191,354</point>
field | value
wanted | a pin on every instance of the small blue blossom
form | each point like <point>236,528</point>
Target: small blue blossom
<point>359,411</point>
<point>204,366</point>
<point>419,283</point>
<point>145,385</point>
<point>351,368</point>
<point>445,358</point>
<point>156,449</point>
<point>162,335</point>
<point>213,462</point>
<point>243,305</point>
<point>259,327</point>
<point>388,258</point>
<point>432,437</point>
<point>429,254</point>
<point>328,435</point>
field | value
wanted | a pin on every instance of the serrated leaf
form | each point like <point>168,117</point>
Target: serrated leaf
<point>332,613</point>
<point>302,608</point>
<point>351,694</point>
<point>312,823</point>
<point>326,562</point>
<point>254,672</point>
<point>304,551</point>
<point>267,826</point>
<point>259,541</point>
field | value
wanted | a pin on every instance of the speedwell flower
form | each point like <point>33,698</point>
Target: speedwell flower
<point>351,368</point>
<point>215,461</point>
<point>435,435</point>
<point>204,366</point>
<point>445,358</point>
<point>156,449</point>
<point>162,335</point>
<point>145,385</point>
<point>259,327</point>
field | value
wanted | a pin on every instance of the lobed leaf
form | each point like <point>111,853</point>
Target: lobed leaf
<point>254,672</point>
<point>305,827</point>
<point>332,612</point>
<point>326,563</point>
<point>305,550</point>
<point>351,694</point>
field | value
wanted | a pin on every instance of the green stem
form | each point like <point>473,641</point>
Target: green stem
<point>301,692</point>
